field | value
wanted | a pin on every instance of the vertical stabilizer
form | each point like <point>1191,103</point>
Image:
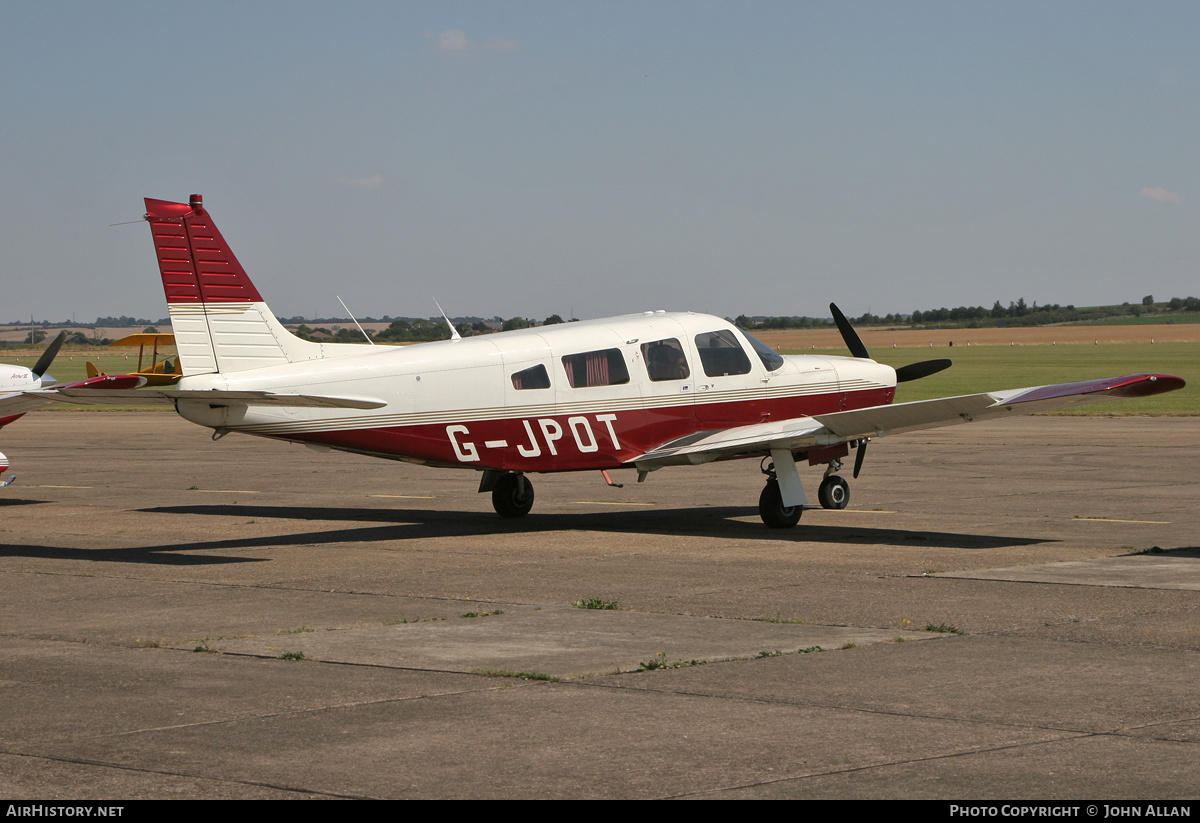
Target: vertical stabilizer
<point>220,321</point>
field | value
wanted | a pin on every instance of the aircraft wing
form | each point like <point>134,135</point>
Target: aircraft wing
<point>878,421</point>
<point>88,396</point>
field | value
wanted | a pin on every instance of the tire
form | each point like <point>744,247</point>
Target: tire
<point>834,493</point>
<point>513,496</point>
<point>772,511</point>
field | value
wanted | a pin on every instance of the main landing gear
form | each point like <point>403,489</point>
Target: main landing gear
<point>834,493</point>
<point>512,495</point>
<point>774,514</point>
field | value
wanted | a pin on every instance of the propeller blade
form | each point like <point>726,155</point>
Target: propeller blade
<point>853,342</point>
<point>915,371</point>
<point>858,458</point>
<point>43,363</point>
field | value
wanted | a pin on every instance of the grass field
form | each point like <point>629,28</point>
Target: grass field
<point>1147,320</point>
<point>976,369</point>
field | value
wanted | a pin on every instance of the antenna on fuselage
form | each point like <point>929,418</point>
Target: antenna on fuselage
<point>360,328</point>
<point>454,335</point>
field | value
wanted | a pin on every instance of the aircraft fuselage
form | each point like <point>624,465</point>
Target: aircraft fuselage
<point>576,396</point>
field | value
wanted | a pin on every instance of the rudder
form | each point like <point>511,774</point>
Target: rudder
<point>221,323</point>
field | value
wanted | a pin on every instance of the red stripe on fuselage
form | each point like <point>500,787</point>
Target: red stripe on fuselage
<point>572,442</point>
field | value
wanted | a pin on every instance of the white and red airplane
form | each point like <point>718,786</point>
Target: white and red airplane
<point>16,380</point>
<point>639,391</point>
<point>23,389</point>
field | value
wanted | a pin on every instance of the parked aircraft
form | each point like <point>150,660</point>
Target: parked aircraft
<point>23,389</point>
<point>163,372</point>
<point>17,379</point>
<point>637,392</point>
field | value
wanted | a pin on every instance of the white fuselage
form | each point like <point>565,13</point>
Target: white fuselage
<point>565,397</point>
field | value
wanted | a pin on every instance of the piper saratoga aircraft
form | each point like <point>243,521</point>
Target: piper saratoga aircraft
<point>637,392</point>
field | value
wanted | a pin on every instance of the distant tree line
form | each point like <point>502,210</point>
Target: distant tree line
<point>419,329</point>
<point>1017,313</point>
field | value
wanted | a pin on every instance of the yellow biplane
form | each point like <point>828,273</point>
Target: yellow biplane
<point>165,372</point>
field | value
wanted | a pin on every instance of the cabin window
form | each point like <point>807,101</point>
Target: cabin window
<point>596,368</point>
<point>770,359</point>
<point>665,360</point>
<point>534,377</point>
<point>720,354</point>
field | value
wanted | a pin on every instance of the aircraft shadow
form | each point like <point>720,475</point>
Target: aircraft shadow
<point>423,524</point>
<point>414,524</point>
<point>167,555</point>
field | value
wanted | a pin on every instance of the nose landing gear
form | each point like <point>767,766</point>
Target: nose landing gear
<point>834,492</point>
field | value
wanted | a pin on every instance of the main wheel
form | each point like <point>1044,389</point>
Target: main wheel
<point>772,511</point>
<point>834,493</point>
<point>513,495</point>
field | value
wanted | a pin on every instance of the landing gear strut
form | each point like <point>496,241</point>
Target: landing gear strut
<point>512,495</point>
<point>774,514</point>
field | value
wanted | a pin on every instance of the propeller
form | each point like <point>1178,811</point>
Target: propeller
<point>43,363</point>
<point>913,371</point>
<point>853,342</point>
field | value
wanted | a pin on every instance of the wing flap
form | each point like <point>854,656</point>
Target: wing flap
<point>703,447</point>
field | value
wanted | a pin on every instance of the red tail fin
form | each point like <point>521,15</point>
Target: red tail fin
<point>196,263</point>
<point>221,323</point>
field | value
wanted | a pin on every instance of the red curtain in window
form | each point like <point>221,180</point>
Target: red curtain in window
<point>597,368</point>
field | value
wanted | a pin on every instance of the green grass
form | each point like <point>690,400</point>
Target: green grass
<point>596,603</point>
<point>994,368</point>
<point>1183,317</point>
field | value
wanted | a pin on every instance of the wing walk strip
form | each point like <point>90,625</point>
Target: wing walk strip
<point>514,412</point>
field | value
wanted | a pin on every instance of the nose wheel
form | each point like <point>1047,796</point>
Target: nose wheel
<point>513,495</point>
<point>834,493</point>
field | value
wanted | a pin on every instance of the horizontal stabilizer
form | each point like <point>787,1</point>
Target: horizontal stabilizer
<point>88,396</point>
<point>21,402</point>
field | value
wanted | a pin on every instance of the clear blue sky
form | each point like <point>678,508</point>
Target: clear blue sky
<point>533,158</point>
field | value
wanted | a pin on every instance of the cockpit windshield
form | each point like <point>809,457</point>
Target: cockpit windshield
<point>770,359</point>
